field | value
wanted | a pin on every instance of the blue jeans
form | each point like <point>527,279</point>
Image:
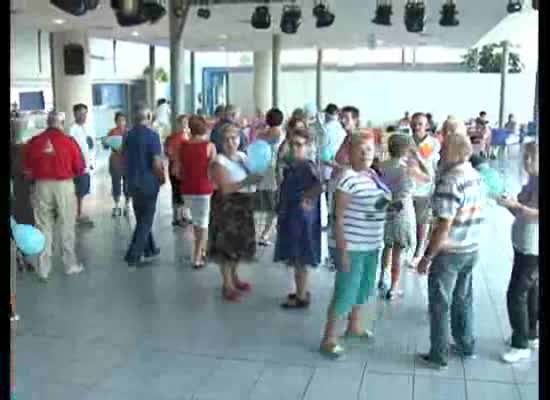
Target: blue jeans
<point>450,290</point>
<point>143,243</point>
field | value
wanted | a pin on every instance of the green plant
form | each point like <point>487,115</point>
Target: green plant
<point>489,59</point>
<point>160,74</point>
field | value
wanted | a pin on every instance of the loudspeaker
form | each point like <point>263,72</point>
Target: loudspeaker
<point>73,57</point>
<point>73,7</point>
<point>536,4</point>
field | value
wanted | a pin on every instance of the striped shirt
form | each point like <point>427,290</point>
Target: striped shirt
<point>525,231</point>
<point>363,222</point>
<point>459,196</point>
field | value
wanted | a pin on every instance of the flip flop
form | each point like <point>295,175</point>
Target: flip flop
<point>297,304</point>
<point>333,351</point>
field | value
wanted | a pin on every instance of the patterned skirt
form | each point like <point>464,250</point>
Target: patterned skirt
<point>232,235</point>
<point>400,227</point>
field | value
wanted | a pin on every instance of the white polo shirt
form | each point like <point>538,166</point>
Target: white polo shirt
<point>80,134</point>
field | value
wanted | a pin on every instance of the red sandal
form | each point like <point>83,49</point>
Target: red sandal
<point>231,295</point>
<point>243,286</point>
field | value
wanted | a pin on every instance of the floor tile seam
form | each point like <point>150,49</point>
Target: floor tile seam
<point>363,375</point>
<point>308,383</point>
<point>476,380</point>
<point>256,381</point>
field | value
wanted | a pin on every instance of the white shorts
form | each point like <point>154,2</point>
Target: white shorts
<point>199,205</point>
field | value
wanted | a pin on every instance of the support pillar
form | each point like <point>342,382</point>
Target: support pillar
<point>319,80</point>
<point>262,80</point>
<point>151,78</point>
<point>71,89</point>
<point>177,100</point>
<point>276,70</point>
<point>536,107</point>
<point>192,80</point>
<point>503,77</point>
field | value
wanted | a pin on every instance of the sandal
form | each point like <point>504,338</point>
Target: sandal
<point>243,286</point>
<point>295,303</point>
<point>333,350</point>
<point>393,294</point>
<point>231,295</point>
<point>292,296</point>
<point>366,335</point>
<point>199,266</point>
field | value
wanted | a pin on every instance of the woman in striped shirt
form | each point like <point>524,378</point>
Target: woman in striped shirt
<point>356,240</point>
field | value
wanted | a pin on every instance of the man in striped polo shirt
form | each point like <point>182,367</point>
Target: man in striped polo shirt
<point>453,252</point>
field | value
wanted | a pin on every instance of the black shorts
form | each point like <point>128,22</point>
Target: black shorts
<point>82,185</point>
<point>177,199</point>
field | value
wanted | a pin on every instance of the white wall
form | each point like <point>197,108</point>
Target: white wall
<point>385,95</point>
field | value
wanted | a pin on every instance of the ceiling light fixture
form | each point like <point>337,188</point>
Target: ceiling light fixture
<point>291,19</point>
<point>514,6</point>
<point>223,36</point>
<point>204,12</point>
<point>415,14</point>
<point>261,18</point>
<point>135,33</point>
<point>384,12</point>
<point>448,14</point>
<point>58,21</point>
<point>323,15</point>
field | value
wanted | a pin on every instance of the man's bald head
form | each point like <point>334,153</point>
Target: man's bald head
<point>55,119</point>
<point>143,116</point>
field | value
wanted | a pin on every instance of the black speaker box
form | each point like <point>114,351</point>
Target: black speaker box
<point>73,56</point>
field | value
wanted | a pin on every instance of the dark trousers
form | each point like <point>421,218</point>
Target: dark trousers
<point>450,291</point>
<point>143,243</point>
<point>119,184</point>
<point>523,299</point>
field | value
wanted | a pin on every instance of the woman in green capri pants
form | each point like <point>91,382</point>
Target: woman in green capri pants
<point>355,242</point>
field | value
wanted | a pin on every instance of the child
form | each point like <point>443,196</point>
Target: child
<point>355,242</point>
<point>400,173</point>
<point>523,290</point>
<point>299,218</point>
<point>117,168</point>
<point>171,150</point>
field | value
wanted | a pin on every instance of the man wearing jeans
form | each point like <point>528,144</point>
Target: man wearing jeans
<point>145,174</point>
<point>453,253</point>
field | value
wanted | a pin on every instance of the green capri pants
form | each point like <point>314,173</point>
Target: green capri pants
<point>355,286</point>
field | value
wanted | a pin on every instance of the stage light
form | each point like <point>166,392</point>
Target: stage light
<point>261,18</point>
<point>514,6</point>
<point>415,13</point>
<point>448,14</point>
<point>291,19</point>
<point>323,15</point>
<point>204,12</point>
<point>384,12</point>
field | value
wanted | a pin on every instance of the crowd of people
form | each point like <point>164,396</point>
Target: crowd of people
<point>328,190</point>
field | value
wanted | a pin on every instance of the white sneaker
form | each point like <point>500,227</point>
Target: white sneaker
<point>75,269</point>
<point>513,356</point>
<point>533,344</point>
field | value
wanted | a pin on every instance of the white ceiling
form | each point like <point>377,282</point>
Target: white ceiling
<point>351,29</point>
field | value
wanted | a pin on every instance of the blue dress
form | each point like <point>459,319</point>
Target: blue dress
<point>298,230</point>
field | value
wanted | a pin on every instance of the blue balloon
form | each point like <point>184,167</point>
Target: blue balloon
<point>326,154</point>
<point>259,157</point>
<point>29,240</point>
<point>114,142</point>
<point>491,179</point>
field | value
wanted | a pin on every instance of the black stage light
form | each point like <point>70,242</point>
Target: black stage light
<point>514,6</point>
<point>323,15</point>
<point>415,13</point>
<point>448,14</point>
<point>291,19</point>
<point>154,10</point>
<point>73,7</point>
<point>383,14</point>
<point>203,13</point>
<point>535,4</point>
<point>261,18</point>
<point>91,4</point>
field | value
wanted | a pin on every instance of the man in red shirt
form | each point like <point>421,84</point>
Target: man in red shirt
<point>52,160</point>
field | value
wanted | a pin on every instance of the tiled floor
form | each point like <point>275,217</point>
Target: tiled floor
<point>164,333</point>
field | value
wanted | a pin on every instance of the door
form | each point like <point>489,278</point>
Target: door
<point>215,88</point>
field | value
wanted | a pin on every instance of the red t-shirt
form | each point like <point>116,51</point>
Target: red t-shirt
<point>52,155</point>
<point>193,159</point>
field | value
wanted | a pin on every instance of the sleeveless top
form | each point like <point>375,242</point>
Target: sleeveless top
<point>194,164</point>
<point>235,170</point>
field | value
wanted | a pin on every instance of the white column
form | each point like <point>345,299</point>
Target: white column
<point>503,76</point>
<point>276,71</point>
<point>151,78</point>
<point>262,80</point>
<point>71,89</point>
<point>319,80</point>
<point>176,65</point>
